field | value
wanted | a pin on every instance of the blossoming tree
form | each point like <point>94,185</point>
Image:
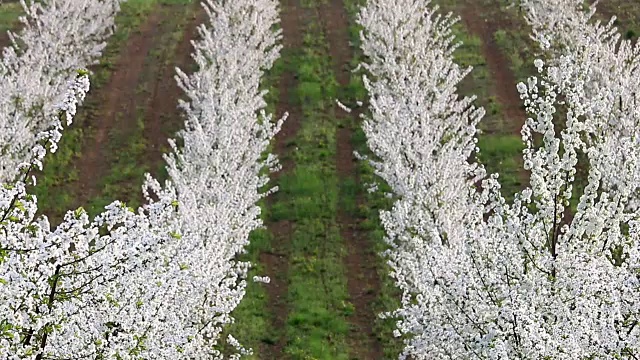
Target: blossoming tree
<point>159,282</point>
<point>486,279</point>
<point>57,37</point>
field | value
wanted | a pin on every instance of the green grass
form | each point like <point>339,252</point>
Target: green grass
<point>253,320</point>
<point>502,154</point>
<point>389,296</point>
<point>515,41</point>
<point>317,298</point>
<point>478,82</point>
<point>316,327</point>
<point>9,14</point>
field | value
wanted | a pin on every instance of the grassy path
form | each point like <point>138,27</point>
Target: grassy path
<point>323,271</point>
<point>363,282</point>
<point>10,11</point>
<point>317,297</point>
<point>503,85</point>
<point>262,315</point>
<point>501,146</point>
<point>276,259</point>
<point>122,128</point>
<point>387,297</point>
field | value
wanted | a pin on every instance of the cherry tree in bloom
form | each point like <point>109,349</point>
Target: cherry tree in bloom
<point>63,291</point>
<point>159,282</point>
<point>57,37</point>
<point>571,32</point>
<point>482,278</point>
<point>217,172</point>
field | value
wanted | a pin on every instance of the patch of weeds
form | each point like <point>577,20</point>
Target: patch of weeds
<point>9,14</point>
<point>316,327</point>
<point>502,154</point>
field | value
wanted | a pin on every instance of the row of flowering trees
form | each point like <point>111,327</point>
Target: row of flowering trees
<point>483,279</point>
<point>57,37</point>
<point>158,282</point>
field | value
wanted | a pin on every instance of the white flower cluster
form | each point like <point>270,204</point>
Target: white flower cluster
<point>57,37</point>
<point>481,278</point>
<point>159,282</point>
<point>611,87</point>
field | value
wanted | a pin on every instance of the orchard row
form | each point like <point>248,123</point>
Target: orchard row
<point>551,274</point>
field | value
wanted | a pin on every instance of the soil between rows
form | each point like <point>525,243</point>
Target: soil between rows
<point>362,277</point>
<point>276,262</point>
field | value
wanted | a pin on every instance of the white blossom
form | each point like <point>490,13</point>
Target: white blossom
<point>57,37</point>
<point>161,281</point>
<point>482,278</point>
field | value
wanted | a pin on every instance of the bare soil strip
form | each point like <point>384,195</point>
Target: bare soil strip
<point>137,107</point>
<point>362,278</point>
<point>119,104</point>
<point>276,262</point>
<point>163,117</point>
<point>503,78</point>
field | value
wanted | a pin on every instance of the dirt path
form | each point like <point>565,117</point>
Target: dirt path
<point>276,262</point>
<point>162,116</point>
<point>118,107</point>
<point>503,79</point>
<point>362,278</point>
<point>137,107</point>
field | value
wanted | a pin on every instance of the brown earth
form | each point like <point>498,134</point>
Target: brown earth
<point>503,79</point>
<point>163,118</point>
<point>363,283</point>
<point>4,40</point>
<point>118,108</point>
<point>276,262</point>
<point>627,14</point>
<point>291,20</point>
<point>140,86</point>
<point>4,37</point>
